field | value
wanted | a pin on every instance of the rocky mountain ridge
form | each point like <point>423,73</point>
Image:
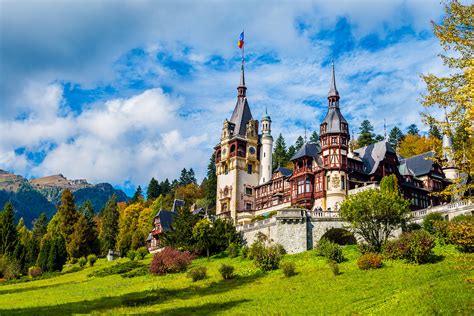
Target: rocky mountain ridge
<point>31,197</point>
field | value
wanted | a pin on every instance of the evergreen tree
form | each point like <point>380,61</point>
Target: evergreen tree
<point>210,190</point>
<point>395,136</point>
<point>43,256</point>
<point>314,138</point>
<point>93,245</point>
<point>183,178</point>
<point>67,215</point>
<point>413,130</point>
<point>137,196</point>
<point>299,143</point>
<point>366,134</point>
<point>192,176</point>
<point>291,152</point>
<point>8,233</point>
<point>57,254</point>
<point>40,227</point>
<point>165,187</point>
<point>153,190</point>
<point>181,233</point>
<point>77,247</point>
<point>434,131</point>
<point>23,247</point>
<point>110,218</point>
<point>379,138</point>
<point>280,155</point>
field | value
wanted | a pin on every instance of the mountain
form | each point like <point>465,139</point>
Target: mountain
<point>30,198</point>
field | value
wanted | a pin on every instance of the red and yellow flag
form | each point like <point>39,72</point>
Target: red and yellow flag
<point>240,43</point>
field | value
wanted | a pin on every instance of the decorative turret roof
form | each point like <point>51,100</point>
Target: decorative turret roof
<point>448,150</point>
<point>307,150</point>
<point>373,154</point>
<point>334,117</point>
<point>241,115</point>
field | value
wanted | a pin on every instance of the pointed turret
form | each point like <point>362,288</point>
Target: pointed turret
<point>241,89</point>
<point>449,169</point>
<point>333,94</point>
<point>241,115</point>
<point>334,121</point>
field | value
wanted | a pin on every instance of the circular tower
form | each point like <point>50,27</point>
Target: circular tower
<point>266,150</point>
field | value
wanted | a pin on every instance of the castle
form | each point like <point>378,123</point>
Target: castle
<point>323,173</point>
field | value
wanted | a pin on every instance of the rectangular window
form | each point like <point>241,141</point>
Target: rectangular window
<point>308,186</point>
<point>327,182</point>
<point>248,206</point>
<point>248,191</point>
<point>300,187</point>
<point>343,182</point>
<point>249,169</point>
<point>334,140</point>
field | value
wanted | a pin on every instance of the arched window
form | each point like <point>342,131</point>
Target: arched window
<point>226,169</point>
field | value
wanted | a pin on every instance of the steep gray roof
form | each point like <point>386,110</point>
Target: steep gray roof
<point>241,116</point>
<point>307,150</point>
<point>284,171</point>
<point>373,154</point>
<point>166,219</point>
<point>333,120</point>
<point>420,164</point>
<point>332,88</point>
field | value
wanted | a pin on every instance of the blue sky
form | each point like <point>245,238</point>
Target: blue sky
<point>122,91</point>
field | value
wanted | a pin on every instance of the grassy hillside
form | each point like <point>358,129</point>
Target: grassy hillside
<point>398,288</point>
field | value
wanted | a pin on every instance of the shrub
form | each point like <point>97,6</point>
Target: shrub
<point>142,252</point>
<point>329,250</point>
<point>226,271</point>
<point>430,219</point>
<point>244,252</point>
<point>3,265</point>
<point>414,247</point>
<point>334,267</point>
<point>365,248</point>
<point>131,254</point>
<point>288,269</point>
<point>268,258</point>
<point>256,249</point>
<point>91,259</point>
<point>462,235</point>
<point>281,250</point>
<point>34,272</point>
<point>463,218</point>
<point>170,260</point>
<point>369,260</point>
<point>233,250</point>
<point>12,270</point>
<point>441,232</point>
<point>411,227</point>
<point>136,272</point>
<point>82,262</point>
<point>197,274</point>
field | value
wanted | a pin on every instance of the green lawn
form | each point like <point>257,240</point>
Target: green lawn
<point>396,289</point>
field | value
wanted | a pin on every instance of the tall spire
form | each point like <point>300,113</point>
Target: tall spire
<point>333,95</point>
<point>241,89</point>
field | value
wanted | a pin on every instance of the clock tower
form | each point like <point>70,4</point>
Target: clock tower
<point>238,160</point>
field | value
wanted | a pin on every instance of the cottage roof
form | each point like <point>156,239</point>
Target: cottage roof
<point>284,171</point>
<point>420,164</point>
<point>166,219</point>
<point>307,150</point>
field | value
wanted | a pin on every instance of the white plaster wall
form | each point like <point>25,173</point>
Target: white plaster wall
<point>266,159</point>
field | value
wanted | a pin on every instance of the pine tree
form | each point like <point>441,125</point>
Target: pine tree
<point>77,247</point>
<point>57,254</point>
<point>210,190</point>
<point>8,233</point>
<point>379,138</point>
<point>110,218</point>
<point>43,256</point>
<point>314,138</point>
<point>23,246</point>
<point>93,245</point>
<point>291,152</point>
<point>137,196</point>
<point>67,215</point>
<point>413,130</point>
<point>395,136</point>
<point>183,178</point>
<point>153,190</point>
<point>181,233</point>
<point>165,187</point>
<point>366,135</point>
<point>280,155</point>
<point>299,143</point>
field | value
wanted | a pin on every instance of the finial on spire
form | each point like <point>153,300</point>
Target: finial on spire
<point>384,129</point>
<point>305,134</point>
<point>241,88</point>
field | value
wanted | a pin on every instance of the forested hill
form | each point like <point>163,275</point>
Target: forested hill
<point>30,198</point>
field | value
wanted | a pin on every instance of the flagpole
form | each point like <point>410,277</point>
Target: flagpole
<point>243,47</point>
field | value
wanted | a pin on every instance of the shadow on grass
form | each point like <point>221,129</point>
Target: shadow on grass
<point>206,309</point>
<point>26,289</point>
<point>144,298</point>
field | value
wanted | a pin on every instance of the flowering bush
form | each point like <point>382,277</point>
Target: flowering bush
<point>170,260</point>
<point>461,234</point>
<point>369,260</point>
<point>414,247</point>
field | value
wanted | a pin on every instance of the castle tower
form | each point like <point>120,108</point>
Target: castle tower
<point>334,138</point>
<point>449,169</point>
<point>266,149</point>
<point>237,161</point>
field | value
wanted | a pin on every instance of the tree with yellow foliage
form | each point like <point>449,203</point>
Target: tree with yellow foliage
<point>413,145</point>
<point>455,93</point>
